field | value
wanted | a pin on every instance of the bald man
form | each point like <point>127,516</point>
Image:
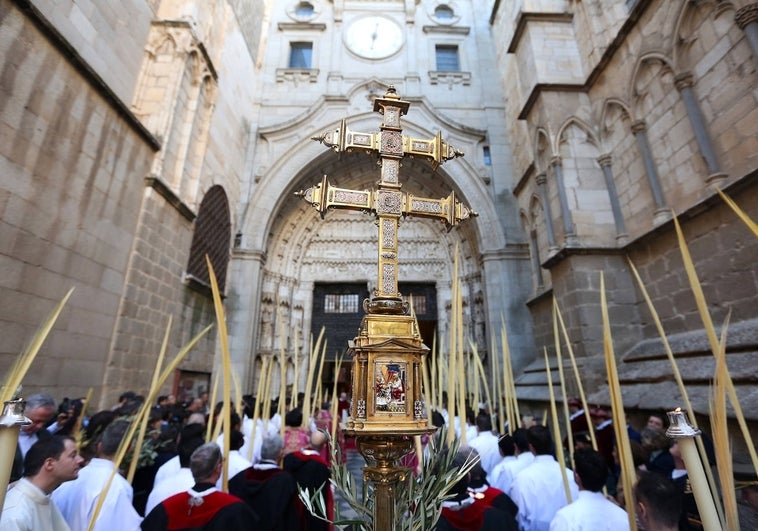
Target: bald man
<point>311,472</point>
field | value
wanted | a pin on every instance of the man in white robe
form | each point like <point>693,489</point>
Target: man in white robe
<point>47,464</point>
<point>77,499</point>
<point>235,462</point>
<point>171,467</point>
<point>470,428</point>
<point>251,454</point>
<point>190,439</point>
<point>506,449</point>
<point>485,443</point>
<point>508,469</point>
<point>538,490</point>
<point>590,510</point>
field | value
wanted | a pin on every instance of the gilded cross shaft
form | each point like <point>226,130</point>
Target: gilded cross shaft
<point>387,202</point>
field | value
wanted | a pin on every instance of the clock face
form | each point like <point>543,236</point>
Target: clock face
<point>374,37</point>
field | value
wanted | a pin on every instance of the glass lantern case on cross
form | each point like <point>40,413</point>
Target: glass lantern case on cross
<point>387,406</point>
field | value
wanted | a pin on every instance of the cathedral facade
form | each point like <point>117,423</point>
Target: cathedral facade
<point>141,136</point>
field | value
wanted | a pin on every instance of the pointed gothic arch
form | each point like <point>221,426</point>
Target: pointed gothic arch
<point>611,107</point>
<point>575,121</point>
<point>690,43</point>
<point>650,68</point>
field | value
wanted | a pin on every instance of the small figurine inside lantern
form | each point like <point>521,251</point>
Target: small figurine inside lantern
<point>390,387</point>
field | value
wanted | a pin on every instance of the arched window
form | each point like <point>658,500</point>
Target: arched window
<point>443,12</point>
<point>304,10</point>
<point>212,237</point>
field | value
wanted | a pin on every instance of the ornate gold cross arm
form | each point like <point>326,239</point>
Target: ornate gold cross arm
<point>342,139</point>
<point>448,209</point>
<point>436,149</point>
<point>324,196</point>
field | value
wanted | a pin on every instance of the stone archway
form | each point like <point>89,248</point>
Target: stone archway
<point>279,256</point>
<point>302,249</point>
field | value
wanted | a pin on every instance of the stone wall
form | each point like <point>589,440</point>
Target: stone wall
<point>72,185</point>
<point>665,111</point>
<point>91,28</point>
<point>100,191</point>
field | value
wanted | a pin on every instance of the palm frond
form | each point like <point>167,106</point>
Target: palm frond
<point>418,501</point>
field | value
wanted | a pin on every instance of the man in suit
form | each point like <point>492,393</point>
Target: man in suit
<point>40,408</point>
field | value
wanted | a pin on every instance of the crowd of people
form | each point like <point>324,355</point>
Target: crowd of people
<point>522,465</point>
<point>66,461</point>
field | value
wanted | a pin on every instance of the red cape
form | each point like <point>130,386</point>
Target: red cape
<point>182,515</point>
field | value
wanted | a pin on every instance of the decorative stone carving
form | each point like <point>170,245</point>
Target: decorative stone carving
<point>639,126</point>
<point>683,80</point>
<point>745,15</point>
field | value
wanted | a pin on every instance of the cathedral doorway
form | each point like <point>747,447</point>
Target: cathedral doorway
<point>338,309</point>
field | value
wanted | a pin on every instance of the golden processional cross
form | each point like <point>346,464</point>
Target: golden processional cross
<point>388,203</point>
<point>387,403</point>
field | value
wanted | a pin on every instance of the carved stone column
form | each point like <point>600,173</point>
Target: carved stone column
<point>618,218</point>
<point>536,266</point>
<point>542,185</point>
<point>639,129</point>
<point>747,20</point>
<point>568,222</point>
<point>683,83</point>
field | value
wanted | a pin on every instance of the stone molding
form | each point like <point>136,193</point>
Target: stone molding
<point>525,17</point>
<point>182,33</point>
<point>447,30</point>
<point>157,184</point>
<point>518,251</point>
<point>722,6</point>
<point>249,254</point>
<point>746,15</point>
<point>437,77</point>
<point>605,160</point>
<point>297,75</point>
<point>639,127</point>
<point>300,26</point>
<point>524,179</point>
<point>567,251</point>
<point>683,81</point>
<point>539,88</point>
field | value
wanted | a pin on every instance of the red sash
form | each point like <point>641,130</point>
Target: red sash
<point>469,518</point>
<point>182,515</point>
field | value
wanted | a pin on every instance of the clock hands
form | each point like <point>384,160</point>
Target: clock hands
<point>374,35</point>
